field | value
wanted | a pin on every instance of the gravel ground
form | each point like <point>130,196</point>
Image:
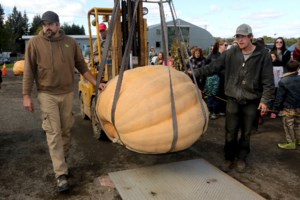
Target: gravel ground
<point>26,170</point>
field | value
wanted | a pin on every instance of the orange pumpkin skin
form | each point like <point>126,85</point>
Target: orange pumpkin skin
<point>18,67</point>
<point>143,118</point>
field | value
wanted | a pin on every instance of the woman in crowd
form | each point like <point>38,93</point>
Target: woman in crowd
<point>196,61</point>
<point>283,54</point>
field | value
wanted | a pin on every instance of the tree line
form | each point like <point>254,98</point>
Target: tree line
<point>17,24</point>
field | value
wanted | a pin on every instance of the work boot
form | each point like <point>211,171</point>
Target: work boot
<point>241,166</point>
<point>289,145</point>
<point>226,166</point>
<point>62,183</point>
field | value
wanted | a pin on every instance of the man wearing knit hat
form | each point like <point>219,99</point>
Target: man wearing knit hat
<point>50,59</point>
<point>249,85</point>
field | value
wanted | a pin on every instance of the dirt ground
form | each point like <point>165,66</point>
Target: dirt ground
<point>26,170</point>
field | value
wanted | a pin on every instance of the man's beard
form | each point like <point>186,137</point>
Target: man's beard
<point>49,33</point>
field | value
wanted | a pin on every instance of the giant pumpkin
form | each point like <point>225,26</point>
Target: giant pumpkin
<point>143,116</point>
<point>18,67</point>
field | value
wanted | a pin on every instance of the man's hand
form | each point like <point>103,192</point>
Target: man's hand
<point>189,72</point>
<point>88,75</point>
<point>263,109</point>
<point>102,86</point>
<point>27,103</point>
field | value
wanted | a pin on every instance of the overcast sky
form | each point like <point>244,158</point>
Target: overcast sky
<point>266,17</point>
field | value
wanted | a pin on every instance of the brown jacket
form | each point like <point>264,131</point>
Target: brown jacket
<point>50,63</point>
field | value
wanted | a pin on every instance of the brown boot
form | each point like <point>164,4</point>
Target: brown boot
<point>226,166</point>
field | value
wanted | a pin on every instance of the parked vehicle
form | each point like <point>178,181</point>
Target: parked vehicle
<point>5,60</point>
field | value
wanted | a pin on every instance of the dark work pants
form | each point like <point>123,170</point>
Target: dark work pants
<point>239,117</point>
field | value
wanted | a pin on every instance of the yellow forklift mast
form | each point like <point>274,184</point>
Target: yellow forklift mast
<point>138,55</point>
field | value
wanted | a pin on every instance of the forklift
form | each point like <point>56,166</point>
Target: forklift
<point>119,35</point>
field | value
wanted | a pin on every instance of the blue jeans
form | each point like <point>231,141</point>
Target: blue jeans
<point>239,116</point>
<point>212,103</point>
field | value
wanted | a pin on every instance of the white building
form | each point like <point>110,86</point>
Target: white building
<point>193,35</point>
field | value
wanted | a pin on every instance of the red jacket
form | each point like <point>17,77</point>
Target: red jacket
<point>296,54</point>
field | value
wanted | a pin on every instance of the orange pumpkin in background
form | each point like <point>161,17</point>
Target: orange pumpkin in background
<point>143,117</point>
<point>18,67</point>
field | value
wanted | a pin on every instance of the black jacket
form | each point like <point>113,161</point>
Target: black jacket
<point>244,80</point>
<point>288,92</point>
<point>285,58</point>
<point>197,62</point>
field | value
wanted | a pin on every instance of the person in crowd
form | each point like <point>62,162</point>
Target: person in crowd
<point>277,71</point>
<point>249,85</point>
<point>275,60</point>
<point>296,52</point>
<point>152,54</point>
<point>288,100</point>
<point>160,59</point>
<point>218,48</point>
<point>215,84</point>
<point>171,62</point>
<point>103,34</point>
<point>192,50</point>
<point>283,54</point>
<point>50,59</point>
<point>211,89</point>
<point>261,42</point>
<point>279,67</point>
<point>197,61</point>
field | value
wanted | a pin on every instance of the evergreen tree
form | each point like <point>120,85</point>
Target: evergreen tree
<point>1,17</point>
<point>17,25</point>
<point>35,25</point>
<point>73,29</point>
<point>3,34</point>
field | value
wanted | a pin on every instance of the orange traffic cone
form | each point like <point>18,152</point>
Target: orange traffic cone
<point>4,70</point>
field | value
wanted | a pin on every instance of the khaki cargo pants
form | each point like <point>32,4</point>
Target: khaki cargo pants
<point>57,121</point>
<point>291,124</point>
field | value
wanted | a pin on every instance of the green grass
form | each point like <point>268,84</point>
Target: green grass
<point>10,65</point>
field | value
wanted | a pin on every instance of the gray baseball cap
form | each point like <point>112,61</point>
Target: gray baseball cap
<point>243,29</point>
<point>50,17</point>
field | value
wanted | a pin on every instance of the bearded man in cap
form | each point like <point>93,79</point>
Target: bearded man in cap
<point>50,59</point>
<point>249,85</point>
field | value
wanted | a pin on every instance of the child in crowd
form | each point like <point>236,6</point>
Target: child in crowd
<point>288,100</point>
<point>277,69</point>
<point>159,59</point>
<point>211,89</point>
<point>152,54</point>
